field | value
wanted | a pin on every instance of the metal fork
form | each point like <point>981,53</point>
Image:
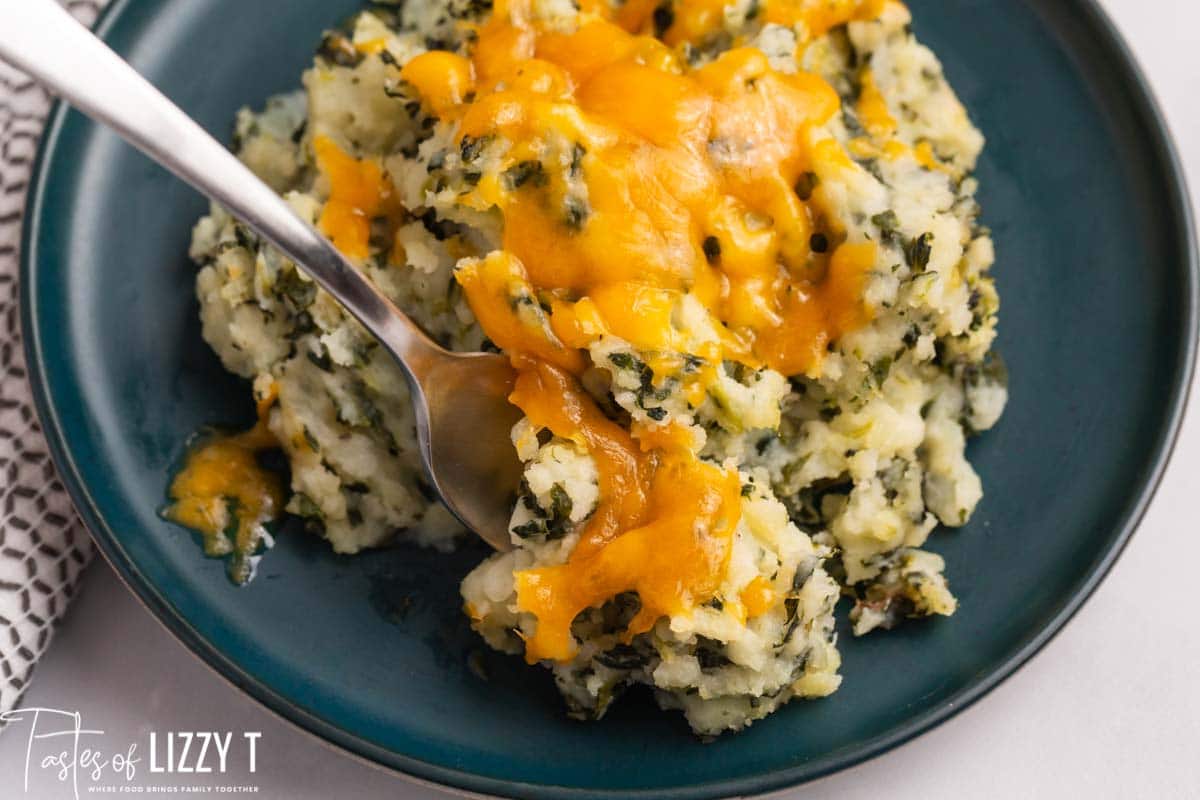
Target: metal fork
<point>462,412</point>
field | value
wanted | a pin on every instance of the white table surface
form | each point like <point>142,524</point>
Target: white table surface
<point>1110,709</point>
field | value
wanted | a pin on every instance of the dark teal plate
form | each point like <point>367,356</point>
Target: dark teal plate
<point>1098,280</point>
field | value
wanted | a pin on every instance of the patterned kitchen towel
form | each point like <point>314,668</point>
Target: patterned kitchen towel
<point>43,546</point>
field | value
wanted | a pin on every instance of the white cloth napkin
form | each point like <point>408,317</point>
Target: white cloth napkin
<point>43,546</point>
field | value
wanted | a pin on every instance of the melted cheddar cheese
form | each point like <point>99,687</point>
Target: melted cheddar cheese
<point>631,184</point>
<point>872,107</point>
<point>359,192</point>
<point>223,493</point>
<point>647,535</point>
<point>682,182</point>
<point>758,597</point>
<point>692,21</point>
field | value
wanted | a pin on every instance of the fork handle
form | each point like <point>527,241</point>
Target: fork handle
<point>42,39</point>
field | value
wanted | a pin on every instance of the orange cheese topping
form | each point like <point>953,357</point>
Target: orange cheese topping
<point>443,79</point>
<point>813,319</point>
<point>223,493</point>
<point>877,118</point>
<point>695,20</point>
<point>359,192</point>
<point>504,303</point>
<point>648,534</point>
<point>925,156</point>
<point>554,400</point>
<point>758,597</point>
<point>372,47</point>
<point>682,182</point>
<point>674,562</point>
<point>873,108</point>
<point>631,184</point>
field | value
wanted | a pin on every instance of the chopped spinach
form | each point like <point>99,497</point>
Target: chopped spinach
<point>320,360</point>
<point>626,361</point>
<point>337,49</point>
<point>712,249</point>
<point>918,251</point>
<point>577,154</point>
<point>311,440</point>
<point>523,172</point>
<point>889,226</point>
<point>471,146</point>
<point>622,656</point>
<point>805,185</point>
<point>576,213</point>
<point>664,18</point>
<point>711,653</point>
<point>528,529</point>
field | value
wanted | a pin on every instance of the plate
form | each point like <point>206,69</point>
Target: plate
<point>1097,277</point>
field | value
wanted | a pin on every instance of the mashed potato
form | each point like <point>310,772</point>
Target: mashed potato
<point>734,252</point>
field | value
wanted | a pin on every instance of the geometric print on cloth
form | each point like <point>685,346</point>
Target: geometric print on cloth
<point>43,546</point>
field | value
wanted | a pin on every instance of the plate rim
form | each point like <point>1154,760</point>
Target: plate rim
<point>1146,109</point>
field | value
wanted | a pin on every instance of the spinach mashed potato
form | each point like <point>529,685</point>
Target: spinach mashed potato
<point>732,248</point>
